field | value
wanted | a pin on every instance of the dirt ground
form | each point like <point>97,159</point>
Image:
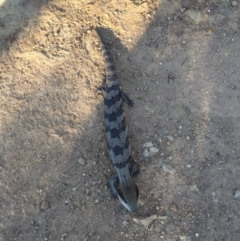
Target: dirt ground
<point>178,61</point>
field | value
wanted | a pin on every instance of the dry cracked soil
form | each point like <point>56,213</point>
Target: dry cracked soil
<point>179,62</point>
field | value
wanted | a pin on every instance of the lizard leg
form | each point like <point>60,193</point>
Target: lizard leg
<point>134,169</point>
<point>127,99</point>
<point>111,185</point>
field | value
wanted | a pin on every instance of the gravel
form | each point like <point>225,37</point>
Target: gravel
<point>234,3</point>
<point>44,205</point>
<point>81,161</point>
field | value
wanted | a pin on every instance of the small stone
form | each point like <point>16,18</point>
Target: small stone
<point>81,161</point>
<point>44,205</point>
<point>86,238</point>
<point>183,42</point>
<point>87,191</point>
<point>63,236</point>
<point>96,201</point>
<point>125,223</point>
<point>180,127</point>
<point>146,153</point>
<point>188,138</point>
<point>196,16</point>
<point>74,189</point>
<point>188,110</point>
<point>153,150</point>
<point>237,194</point>
<point>168,168</point>
<point>189,166</point>
<point>168,143</point>
<point>185,238</point>
<point>196,235</point>
<point>148,220</point>
<point>170,79</point>
<point>94,182</point>
<point>234,3</point>
<point>195,188</point>
<point>170,138</point>
<point>174,207</point>
<point>148,144</point>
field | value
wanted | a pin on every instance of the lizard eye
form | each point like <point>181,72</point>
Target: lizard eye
<point>121,196</point>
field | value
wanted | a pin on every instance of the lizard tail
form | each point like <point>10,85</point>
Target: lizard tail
<point>111,75</point>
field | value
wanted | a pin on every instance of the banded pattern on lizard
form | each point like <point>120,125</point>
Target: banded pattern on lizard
<point>122,185</point>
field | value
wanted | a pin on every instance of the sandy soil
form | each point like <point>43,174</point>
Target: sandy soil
<point>178,61</point>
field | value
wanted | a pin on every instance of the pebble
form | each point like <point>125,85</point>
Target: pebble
<point>153,150</point>
<point>41,221</point>
<point>148,144</point>
<point>168,143</point>
<point>170,138</point>
<point>148,220</point>
<point>188,138</point>
<point>63,236</point>
<point>44,205</point>
<point>81,161</point>
<point>174,207</point>
<point>125,223</point>
<point>234,3</point>
<point>96,201</point>
<point>195,15</point>
<point>87,191</point>
<point>188,110</point>
<point>196,235</point>
<point>170,79</point>
<point>185,238</point>
<point>189,166</point>
<point>94,182</point>
<point>237,194</point>
<point>146,153</point>
<point>168,168</point>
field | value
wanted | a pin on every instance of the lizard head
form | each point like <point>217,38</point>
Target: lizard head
<point>128,196</point>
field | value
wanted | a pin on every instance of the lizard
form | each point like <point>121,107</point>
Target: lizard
<point>122,185</point>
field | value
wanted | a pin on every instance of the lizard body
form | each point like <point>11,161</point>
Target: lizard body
<point>122,185</point>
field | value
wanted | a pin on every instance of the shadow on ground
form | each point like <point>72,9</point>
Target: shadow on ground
<point>176,73</point>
